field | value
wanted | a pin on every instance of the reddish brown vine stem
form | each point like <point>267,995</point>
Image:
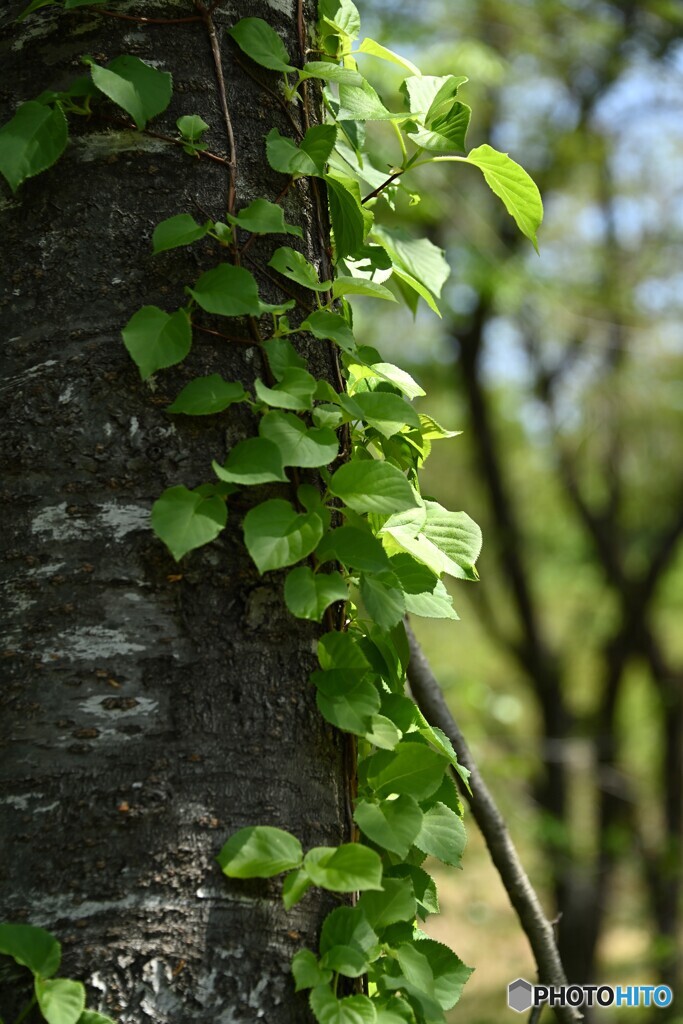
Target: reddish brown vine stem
<point>218,65</point>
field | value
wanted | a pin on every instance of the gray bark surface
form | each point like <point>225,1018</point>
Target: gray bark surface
<point>148,709</point>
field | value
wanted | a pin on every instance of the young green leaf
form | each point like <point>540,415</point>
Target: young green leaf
<point>191,127</point>
<point>292,265</point>
<point>342,16</point>
<point>513,185</point>
<point>360,286</point>
<point>385,412</point>
<point>282,356</point>
<point>206,395</point>
<point>449,972</point>
<point>294,888</point>
<point>308,448</point>
<point>417,258</point>
<point>252,461</point>
<point>156,339</point>
<point>61,1001</point>
<point>361,103</point>
<point>31,947</point>
<point>277,536</point>
<point>412,769</point>
<point>392,824</point>
<point>264,218</point>
<point>437,604</point>
<point>328,1009</point>
<point>179,230</point>
<point>307,971</point>
<point>372,487</point>
<point>136,87</point>
<point>260,851</point>
<point>457,536</point>
<point>383,599</point>
<point>442,834</point>
<point>185,519</point>
<point>310,157</point>
<point>382,733</point>
<point>308,594</point>
<point>354,548</point>
<point>347,868</point>
<point>346,215</point>
<point>231,291</point>
<point>31,142</point>
<point>346,699</point>
<point>329,72</point>
<point>385,371</point>
<point>396,903</point>
<point>330,327</point>
<point>423,884</point>
<point>375,49</point>
<point>258,40</point>
<point>294,391</point>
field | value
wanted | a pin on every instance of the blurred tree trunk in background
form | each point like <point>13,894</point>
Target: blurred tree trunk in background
<point>149,710</point>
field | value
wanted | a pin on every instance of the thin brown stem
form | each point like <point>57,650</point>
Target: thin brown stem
<point>218,65</point>
<point>146,21</point>
<point>179,142</point>
<point>219,334</point>
<point>385,184</point>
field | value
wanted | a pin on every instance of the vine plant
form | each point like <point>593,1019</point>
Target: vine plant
<point>362,546</point>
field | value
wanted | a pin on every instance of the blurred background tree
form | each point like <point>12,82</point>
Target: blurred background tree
<point>564,373</point>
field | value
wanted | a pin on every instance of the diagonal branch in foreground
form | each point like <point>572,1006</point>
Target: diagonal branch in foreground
<point>521,893</point>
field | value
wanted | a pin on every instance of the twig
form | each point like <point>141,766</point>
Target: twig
<point>146,21</point>
<point>218,65</point>
<point>227,337</point>
<point>521,893</point>
<point>278,99</point>
<point>179,142</point>
<point>385,184</point>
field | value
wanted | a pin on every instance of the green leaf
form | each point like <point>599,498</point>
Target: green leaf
<point>361,103</point>
<point>175,231</point>
<point>341,650</point>
<point>292,265</point>
<point>307,971</point>
<point>347,942</point>
<point>457,536</point>
<point>447,133</point>
<point>392,824</point>
<point>346,215</point>
<point>230,291</point>
<point>396,903</point>
<point>429,95</point>
<point>92,1017</point>
<point>375,49</point>
<point>358,549</point>
<point>294,888</point>
<point>347,868</point>
<point>136,87</point>
<point>310,157</point>
<point>412,769</point>
<point>61,1001</point>
<point>395,1011</point>
<point>351,1010</point>
<point>258,40</point>
<point>185,519</point>
<point>191,127</point>
<point>308,448</point>
<point>206,395</point>
<point>260,851</point>
<point>330,327</point>
<point>449,972</point>
<point>385,412</point>
<point>282,357</point>
<point>382,732</point>
<point>277,536</point>
<point>372,487</point>
<point>387,371</point>
<point>513,185</point>
<point>308,594</point>
<point>263,218</point>
<point>31,142</point>
<point>294,391</point>
<point>442,834</point>
<point>418,258</point>
<point>329,72</point>
<point>423,884</point>
<point>252,461</point>
<point>360,286</point>
<point>436,605</point>
<point>32,947</point>
<point>342,16</point>
<point>35,5</point>
<point>156,339</point>
<point>383,599</point>
<point>346,699</point>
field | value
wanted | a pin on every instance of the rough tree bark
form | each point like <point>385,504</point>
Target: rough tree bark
<point>149,709</point>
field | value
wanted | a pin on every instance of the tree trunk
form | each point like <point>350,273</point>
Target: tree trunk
<point>149,709</point>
